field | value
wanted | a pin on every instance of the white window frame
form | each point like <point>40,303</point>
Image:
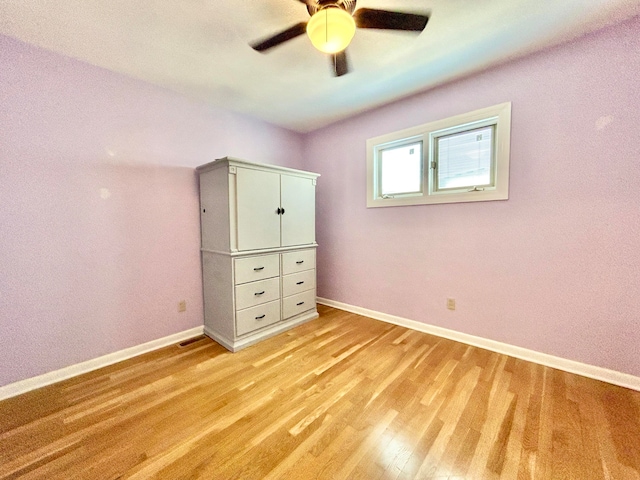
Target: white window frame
<point>498,115</point>
<point>401,143</point>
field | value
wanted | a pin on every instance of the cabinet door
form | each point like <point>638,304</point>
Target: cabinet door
<point>298,197</point>
<point>258,200</point>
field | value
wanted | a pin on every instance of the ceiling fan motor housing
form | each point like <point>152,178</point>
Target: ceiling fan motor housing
<point>348,5</point>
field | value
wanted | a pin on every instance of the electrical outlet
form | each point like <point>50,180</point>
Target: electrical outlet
<point>451,303</point>
<point>182,306</point>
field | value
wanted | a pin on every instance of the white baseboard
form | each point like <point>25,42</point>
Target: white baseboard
<point>23,386</point>
<point>598,373</point>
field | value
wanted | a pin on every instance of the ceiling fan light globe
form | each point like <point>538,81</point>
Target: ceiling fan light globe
<point>331,29</point>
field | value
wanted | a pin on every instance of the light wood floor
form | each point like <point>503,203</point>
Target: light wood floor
<point>340,397</point>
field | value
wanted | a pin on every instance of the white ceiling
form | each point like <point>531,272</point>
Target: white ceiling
<point>200,47</point>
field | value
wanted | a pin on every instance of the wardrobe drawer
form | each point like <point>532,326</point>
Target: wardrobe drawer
<point>298,282</point>
<point>255,293</point>
<point>298,303</point>
<point>260,267</point>
<point>293,262</point>
<point>253,318</point>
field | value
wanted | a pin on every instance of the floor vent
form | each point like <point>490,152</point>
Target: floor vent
<point>191,340</point>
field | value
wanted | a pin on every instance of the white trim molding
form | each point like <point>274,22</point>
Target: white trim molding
<point>23,386</point>
<point>591,371</point>
<point>260,335</point>
<point>497,188</point>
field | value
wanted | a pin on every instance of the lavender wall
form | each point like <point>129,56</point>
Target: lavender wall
<point>556,268</point>
<point>99,225</point>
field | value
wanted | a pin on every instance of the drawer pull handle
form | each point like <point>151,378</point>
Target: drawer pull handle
<point>259,293</point>
<point>261,317</point>
<point>298,304</point>
<point>299,283</point>
<point>300,261</point>
<point>257,269</point>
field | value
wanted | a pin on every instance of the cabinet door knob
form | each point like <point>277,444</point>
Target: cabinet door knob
<point>282,211</point>
<point>300,261</point>
<point>259,293</point>
<point>257,269</point>
<point>298,304</point>
<point>261,317</point>
<point>299,283</point>
<point>279,211</point>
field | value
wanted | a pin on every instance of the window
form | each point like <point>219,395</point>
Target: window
<point>460,159</point>
<point>401,169</point>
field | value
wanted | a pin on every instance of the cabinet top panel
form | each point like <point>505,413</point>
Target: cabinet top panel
<point>237,162</point>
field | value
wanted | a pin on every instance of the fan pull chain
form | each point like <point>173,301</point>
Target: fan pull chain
<point>326,26</point>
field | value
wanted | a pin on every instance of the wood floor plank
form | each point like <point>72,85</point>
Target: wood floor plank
<point>343,396</point>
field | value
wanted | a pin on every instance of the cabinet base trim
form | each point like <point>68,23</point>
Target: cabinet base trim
<point>260,335</point>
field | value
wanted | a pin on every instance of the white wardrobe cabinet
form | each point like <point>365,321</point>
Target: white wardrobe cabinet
<point>274,209</point>
<point>258,249</point>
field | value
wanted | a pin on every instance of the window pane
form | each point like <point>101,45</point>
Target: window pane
<point>464,159</point>
<point>401,169</point>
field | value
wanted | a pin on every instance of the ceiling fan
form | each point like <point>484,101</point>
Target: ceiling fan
<point>333,24</point>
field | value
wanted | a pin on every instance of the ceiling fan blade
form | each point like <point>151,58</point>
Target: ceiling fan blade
<point>383,19</point>
<point>339,63</point>
<point>310,3</point>
<point>281,37</point>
